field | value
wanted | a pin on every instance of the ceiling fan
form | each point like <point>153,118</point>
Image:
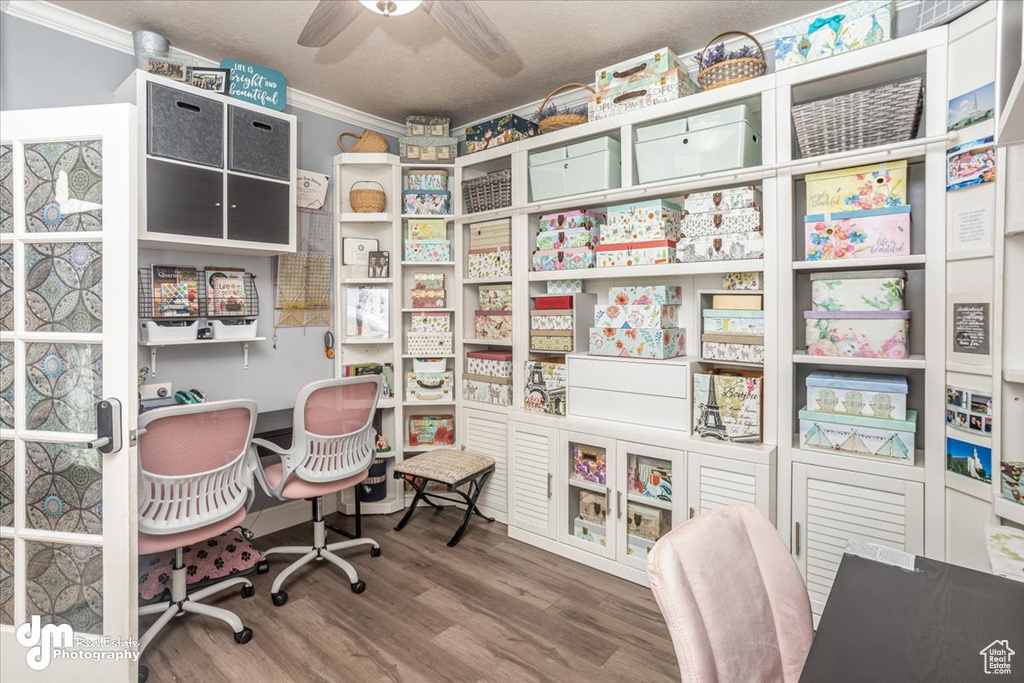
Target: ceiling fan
<point>464,19</point>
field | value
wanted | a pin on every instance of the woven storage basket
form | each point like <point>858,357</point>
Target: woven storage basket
<point>367,142</point>
<point>489,192</point>
<point>561,119</point>
<point>367,201</point>
<point>732,71</point>
<point>865,118</point>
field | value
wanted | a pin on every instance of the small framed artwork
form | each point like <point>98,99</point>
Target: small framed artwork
<point>367,313</point>
<point>969,335</point>
<point>209,78</point>
<point>969,410</point>
<point>168,68</point>
<point>971,163</point>
<point>969,458</point>
<point>380,264</point>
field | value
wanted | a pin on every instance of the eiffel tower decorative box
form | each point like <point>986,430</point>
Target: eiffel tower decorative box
<point>727,405</point>
<point>546,386</point>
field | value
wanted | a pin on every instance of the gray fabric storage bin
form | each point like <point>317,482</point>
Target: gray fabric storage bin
<point>184,126</point>
<point>258,144</point>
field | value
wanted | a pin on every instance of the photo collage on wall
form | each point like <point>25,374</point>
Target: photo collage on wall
<point>969,410</point>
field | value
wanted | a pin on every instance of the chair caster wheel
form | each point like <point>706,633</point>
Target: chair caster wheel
<point>143,673</point>
<point>358,586</point>
<point>375,551</point>
<point>279,598</point>
<point>243,636</point>
<point>248,591</point>
<point>263,567</point>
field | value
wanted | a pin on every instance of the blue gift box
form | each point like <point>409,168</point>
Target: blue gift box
<point>499,131</point>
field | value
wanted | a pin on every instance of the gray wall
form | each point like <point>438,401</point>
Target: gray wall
<point>41,67</point>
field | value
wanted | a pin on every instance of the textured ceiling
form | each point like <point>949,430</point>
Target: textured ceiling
<point>399,65</point>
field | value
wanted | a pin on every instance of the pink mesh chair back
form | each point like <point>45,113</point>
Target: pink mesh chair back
<point>196,465</point>
<point>733,599</point>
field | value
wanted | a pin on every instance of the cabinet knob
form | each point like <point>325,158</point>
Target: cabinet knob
<point>217,204</point>
<point>234,206</point>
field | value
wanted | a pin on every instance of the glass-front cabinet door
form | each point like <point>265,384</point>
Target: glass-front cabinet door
<point>67,344</point>
<point>647,504</point>
<point>586,473</point>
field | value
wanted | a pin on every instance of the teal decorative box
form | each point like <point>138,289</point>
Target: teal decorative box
<point>848,27</point>
<point>499,131</point>
<point>428,251</point>
<point>859,435</point>
<point>637,343</point>
<point>644,295</point>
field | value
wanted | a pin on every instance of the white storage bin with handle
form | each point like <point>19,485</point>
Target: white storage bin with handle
<point>168,330</point>
<point>429,365</point>
<point>588,166</point>
<point>241,328</point>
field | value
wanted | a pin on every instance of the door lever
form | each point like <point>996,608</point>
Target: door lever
<point>108,427</point>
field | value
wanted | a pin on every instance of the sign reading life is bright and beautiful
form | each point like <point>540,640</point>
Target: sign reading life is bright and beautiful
<point>257,84</point>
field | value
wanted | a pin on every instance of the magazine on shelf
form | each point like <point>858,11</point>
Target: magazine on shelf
<point>225,291</point>
<point>175,291</point>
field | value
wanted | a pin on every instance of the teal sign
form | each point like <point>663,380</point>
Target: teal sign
<point>257,84</point>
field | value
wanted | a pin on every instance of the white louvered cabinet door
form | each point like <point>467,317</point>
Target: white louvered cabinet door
<point>713,482</point>
<point>832,507</point>
<point>531,475</point>
<point>486,433</point>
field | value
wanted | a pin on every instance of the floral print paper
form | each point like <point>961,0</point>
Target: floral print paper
<point>642,343</point>
<point>636,316</point>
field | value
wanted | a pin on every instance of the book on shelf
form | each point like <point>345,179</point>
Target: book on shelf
<point>385,370</point>
<point>175,291</point>
<point>225,291</point>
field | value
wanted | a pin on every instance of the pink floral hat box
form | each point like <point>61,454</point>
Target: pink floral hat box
<point>876,233</point>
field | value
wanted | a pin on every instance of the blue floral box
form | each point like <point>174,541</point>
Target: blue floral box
<point>499,131</point>
<point>851,26</point>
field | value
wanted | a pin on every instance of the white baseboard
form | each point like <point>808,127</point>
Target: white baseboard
<point>271,519</point>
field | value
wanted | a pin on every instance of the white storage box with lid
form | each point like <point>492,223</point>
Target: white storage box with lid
<point>588,166</point>
<point>704,143</point>
<point>858,393</point>
<point>643,392</point>
<point>234,329</point>
<point>168,330</point>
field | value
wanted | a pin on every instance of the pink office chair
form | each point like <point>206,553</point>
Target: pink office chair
<point>733,599</point>
<point>332,449</point>
<point>196,470</point>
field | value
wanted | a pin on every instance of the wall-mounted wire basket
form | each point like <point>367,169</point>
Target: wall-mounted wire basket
<point>211,293</point>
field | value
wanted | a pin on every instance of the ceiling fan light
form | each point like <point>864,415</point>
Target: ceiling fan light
<point>391,8</point>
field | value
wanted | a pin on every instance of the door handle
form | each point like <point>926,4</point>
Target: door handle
<point>691,514</point>
<point>618,504</point>
<point>108,427</point>
<point>549,484</point>
<point>796,538</point>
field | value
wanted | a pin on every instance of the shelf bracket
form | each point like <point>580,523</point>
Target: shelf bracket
<point>152,361</point>
<point>245,354</point>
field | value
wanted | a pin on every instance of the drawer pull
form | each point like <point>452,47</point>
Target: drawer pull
<point>262,126</point>
<point>796,539</point>
<point>189,106</point>
<point>549,484</point>
<point>618,504</point>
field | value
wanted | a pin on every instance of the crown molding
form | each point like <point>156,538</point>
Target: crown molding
<point>78,25</point>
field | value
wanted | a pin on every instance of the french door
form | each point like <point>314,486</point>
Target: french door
<point>67,343</point>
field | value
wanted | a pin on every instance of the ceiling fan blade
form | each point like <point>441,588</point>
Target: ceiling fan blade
<point>466,21</point>
<point>329,19</point>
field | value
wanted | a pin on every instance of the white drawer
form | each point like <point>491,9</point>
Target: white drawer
<point>669,379</point>
<point>644,410</point>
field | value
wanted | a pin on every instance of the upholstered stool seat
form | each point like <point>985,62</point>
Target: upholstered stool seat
<point>454,469</point>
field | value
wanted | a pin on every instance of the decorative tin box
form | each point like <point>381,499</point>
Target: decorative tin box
<point>737,247</point>
<point>489,363</point>
<point>858,334</point>
<point>588,531</point>
<point>727,406</point>
<point>723,200</point>
<point>568,238</point>
<point>593,506</point>
<point>721,222</point>
<point>495,297</point>
<point>578,168</point>
<point>490,234</point>
<point>851,26</point>
<point>427,202</point>
<point>430,430</point>
<point>430,322</point>
<point>556,302</point>
<point>499,131</point>
<point>717,320</point>
<point>853,290</point>
<point>485,389</point>
<point>858,393</point>
<point>640,94</point>
<point>492,262</point>
<point>429,386</point>
<point>741,281</point>
<point>858,435</point>
<point>428,148</point>
<point>735,348</point>
<point>875,233</point>
<point>642,222</point>
<point>638,316</point>
<point>737,302</point>
<point>859,188</point>
<point>563,259</point>
<point>589,464</point>
<point>550,320</point>
<point>640,295</point>
<point>636,68</point>
<point>545,386</point>
<point>428,280</point>
<point>567,220</point>
<point>429,229</point>
<point>643,343</point>
<point>555,341</point>
<point>647,522</point>
<point>425,179</point>
<point>635,253</point>
<point>428,251</point>
<point>638,547</point>
<point>438,126</point>
<point>428,344</point>
<point>428,298</point>
<point>565,286</point>
<point>495,325</point>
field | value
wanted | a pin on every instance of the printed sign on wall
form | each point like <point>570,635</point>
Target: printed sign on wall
<point>257,84</point>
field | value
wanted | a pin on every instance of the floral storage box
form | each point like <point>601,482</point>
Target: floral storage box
<point>569,238</point>
<point>545,388</point>
<point>858,393</point>
<point>727,406</point>
<point>495,297</point>
<point>646,92</point>
<point>642,343</point>
<point>662,295</point>
<point>550,320</point>
<point>427,202</point>
<point>485,389</point>
<point>563,259</point>
<point>642,222</point>
<point>499,131</point>
<point>858,334</point>
<point>635,254</point>
<point>722,200</point>
<point>554,341</point>
<point>431,229</point>
<point>724,321</point>
<point>426,179</point>
<point>428,251</point>
<point>741,281</point>
<point>431,430</point>
<point>859,188</point>
<point>430,322</point>
<point>429,386</point>
<point>568,220</point>
<point>490,234</point>
<point>428,344</point>
<point>491,262</point>
<point>589,464</point>
<point>565,286</point>
<point>637,316</point>
<point>734,348</point>
<point>737,247</point>
<point>495,325</point>
<point>850,26</point>
<point>428,298</point>
<point>865,290</point>
<point>875,233</point>
<point>858,435</point>
<point>637,68</point>
<point>721,222</point>
<point>489,363</point>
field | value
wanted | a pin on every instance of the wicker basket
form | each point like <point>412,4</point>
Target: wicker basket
<point>367,201</point>
<point>489,192</point>
<point>560,119</point>
<point>732,71</point>
<point>367,142</point>
<point>878,116</point>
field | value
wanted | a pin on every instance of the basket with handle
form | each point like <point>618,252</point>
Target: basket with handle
<point>365,200</point>
<point>729,71</point>
<point>557,120</point>
<point>367,142</point>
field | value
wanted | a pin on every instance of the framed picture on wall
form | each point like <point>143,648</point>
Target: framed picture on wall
<point>209,78</point>
<point>368,313</point>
